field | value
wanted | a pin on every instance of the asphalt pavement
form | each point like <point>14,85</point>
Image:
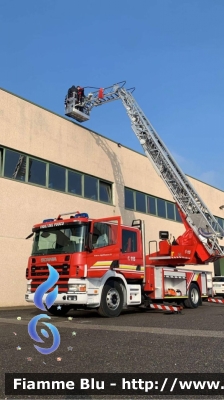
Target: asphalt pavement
<point>135,342</point>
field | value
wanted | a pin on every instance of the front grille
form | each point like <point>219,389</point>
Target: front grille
<point>62,285</point>
<point>43,271</point>
<point>39,275</point>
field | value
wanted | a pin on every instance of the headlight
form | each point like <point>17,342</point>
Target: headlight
<point>28,287</point>
<point>76,288</point>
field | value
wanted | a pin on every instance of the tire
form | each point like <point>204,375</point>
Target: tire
<point>59,313</point>
<point>194,298</point>
<point>112,300</point>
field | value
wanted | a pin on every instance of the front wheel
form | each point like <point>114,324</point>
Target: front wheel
<point>112,300</point>
<point>194,298</point>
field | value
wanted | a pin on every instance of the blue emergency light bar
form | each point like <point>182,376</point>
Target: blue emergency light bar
<point>48,220</point>
<point>81,215</point>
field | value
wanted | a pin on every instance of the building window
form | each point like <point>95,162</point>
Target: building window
<point>129,241</point>
<point>56,177</point>
<point>129,199</point>
<point>170,210</point>
<point>144,203</point>
<point>15,165</point>
<point>37,172</point>
<point>220,221</point>
<point>1,161</point>
<point>178,217</point>
<point>75,183</point>
<point>140,202</point>
<point>105,192</point>
<point>151,205</point>
<point>90,187</point>
<point>161,208</point>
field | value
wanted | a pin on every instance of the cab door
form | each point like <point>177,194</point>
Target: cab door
<point>131,259</point>
<point>105,246</point>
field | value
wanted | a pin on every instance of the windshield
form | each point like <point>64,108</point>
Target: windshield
<point>57,240</point>
<point>218,279</point>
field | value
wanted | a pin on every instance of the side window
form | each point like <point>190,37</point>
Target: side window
<point>129,241</point>
<point>100,235</point>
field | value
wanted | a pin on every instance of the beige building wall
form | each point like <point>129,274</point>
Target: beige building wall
<point>30,129</point>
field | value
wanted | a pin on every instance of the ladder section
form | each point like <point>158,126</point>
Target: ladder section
<point>198,216</point>
<point>109,94</point>
<point>81,110</point>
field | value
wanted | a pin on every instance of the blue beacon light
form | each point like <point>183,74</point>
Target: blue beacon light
<point>82,215</point>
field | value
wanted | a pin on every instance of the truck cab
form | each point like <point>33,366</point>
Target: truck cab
<point>86,253</point>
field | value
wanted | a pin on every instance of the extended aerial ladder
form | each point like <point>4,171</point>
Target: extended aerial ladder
<point>195,214</point>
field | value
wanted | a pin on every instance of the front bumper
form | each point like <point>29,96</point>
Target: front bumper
<point>76,298</point>
<point>218,293</point>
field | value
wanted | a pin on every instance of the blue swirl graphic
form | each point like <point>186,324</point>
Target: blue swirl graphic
<point>44,287</point>
<point>34,335</point>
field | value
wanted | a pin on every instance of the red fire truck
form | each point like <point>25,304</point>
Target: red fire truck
<point>105,265</point>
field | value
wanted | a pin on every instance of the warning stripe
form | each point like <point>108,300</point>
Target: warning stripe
<point>163,307</point>
<point>215,300</point>
<point>125,266</point>
<point>102,263</point>
<point>126,271</point>
<point>192,277</point>
<point>106,264</point>
<point>190,280</point>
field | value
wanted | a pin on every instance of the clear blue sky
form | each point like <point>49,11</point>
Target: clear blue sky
<point>172,51</point>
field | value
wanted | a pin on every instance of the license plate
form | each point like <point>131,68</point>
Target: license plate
<point>217,285</point>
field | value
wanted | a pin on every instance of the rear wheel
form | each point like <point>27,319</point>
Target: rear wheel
<point>112,300</point>
<point>194,298</point>
<point>59,310</point>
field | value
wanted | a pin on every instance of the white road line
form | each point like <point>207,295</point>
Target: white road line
<point>150,330</point>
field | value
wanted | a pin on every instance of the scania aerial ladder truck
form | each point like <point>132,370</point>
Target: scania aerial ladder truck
<point>103,264</point>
